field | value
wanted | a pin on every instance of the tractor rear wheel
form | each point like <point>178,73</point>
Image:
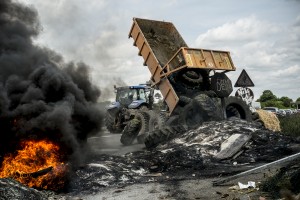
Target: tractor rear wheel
<point>110,124</point>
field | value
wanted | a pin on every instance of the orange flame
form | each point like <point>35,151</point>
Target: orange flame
<point>37,164</point>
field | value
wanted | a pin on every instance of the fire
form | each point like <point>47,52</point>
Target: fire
<point>37,164</point>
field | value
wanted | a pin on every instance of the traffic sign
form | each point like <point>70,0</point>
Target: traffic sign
<point>244,80</point>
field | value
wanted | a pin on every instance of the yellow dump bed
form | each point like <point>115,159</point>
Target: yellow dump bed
<point>164,51</point>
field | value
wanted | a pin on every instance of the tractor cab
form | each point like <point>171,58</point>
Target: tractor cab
<point>134,97</point>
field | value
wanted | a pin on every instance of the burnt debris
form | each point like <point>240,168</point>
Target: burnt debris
<point>11,189</point>
<point>190,155</point>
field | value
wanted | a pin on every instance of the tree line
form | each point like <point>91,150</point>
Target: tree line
<point>268,99</point>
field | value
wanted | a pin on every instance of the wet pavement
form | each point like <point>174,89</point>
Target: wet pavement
<point>107,143</point>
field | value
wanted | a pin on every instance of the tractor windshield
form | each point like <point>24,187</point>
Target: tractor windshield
<point>127,95</point>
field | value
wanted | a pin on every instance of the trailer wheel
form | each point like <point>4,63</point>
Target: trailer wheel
<point>236,107</point>
<point>110,124</point>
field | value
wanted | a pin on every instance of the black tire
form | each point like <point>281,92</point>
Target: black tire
<point>110,124</point>
<point>137,127</point>
<point>188,81</point>
<point>184,100</point>
<point>212,110</point>
<point>163,135</point>
<point>157,120</point>
<point>192,115</point>
<point>143,117</point>
<point>201,109</point>
<point>130,132</point>
<point>236,107</point>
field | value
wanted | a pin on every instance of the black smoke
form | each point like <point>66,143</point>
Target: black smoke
<point>41,96</point>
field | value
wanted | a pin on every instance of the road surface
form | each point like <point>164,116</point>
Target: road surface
<point>107,143</point>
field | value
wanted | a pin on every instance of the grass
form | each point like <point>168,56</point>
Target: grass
<point>290,125</point>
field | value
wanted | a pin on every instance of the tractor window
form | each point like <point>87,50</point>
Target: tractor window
<point>134,94</point>
<point>142,95</point>
<point>127,94</point>
<point>122,94</point>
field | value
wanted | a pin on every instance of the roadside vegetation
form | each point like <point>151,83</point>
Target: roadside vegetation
<point>268,99</point>
<point>290,124</point>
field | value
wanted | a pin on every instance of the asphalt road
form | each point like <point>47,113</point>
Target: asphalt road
<point>108,143</point>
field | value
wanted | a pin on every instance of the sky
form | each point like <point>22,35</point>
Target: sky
<point>263,37</point>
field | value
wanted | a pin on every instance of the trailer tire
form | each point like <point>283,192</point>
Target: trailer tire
<point>236,107</point>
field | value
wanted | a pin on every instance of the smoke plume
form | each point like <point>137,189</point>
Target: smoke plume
<point>41,96</point>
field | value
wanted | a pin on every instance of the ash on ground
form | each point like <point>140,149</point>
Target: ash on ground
<point>192,155</point>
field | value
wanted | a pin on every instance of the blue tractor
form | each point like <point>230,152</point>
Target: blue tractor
<point>130,112</point>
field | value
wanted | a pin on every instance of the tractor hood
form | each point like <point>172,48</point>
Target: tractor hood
<point>113,105</point>
<point>136,103</point>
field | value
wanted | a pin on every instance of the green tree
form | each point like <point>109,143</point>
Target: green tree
<point>298,99</point>
<point>286,101</point>
<point>267,95</point>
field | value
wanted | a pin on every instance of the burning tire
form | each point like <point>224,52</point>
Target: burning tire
<point>110,124</point>
<point>136,127</point>
<point>236,107</point>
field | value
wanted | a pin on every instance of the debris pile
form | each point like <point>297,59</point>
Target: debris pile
<point>11,189</point>
<point>191,155</point>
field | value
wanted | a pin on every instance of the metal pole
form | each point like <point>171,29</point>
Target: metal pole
<point>280,161</point>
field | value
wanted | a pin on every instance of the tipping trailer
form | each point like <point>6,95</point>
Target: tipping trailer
<point>192,81</point>
<point>166,54</point>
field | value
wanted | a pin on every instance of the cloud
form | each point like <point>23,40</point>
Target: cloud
<point>249,29</point>
<point>290,71</point>
<point>268,51</point>
<point>96,33</point>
